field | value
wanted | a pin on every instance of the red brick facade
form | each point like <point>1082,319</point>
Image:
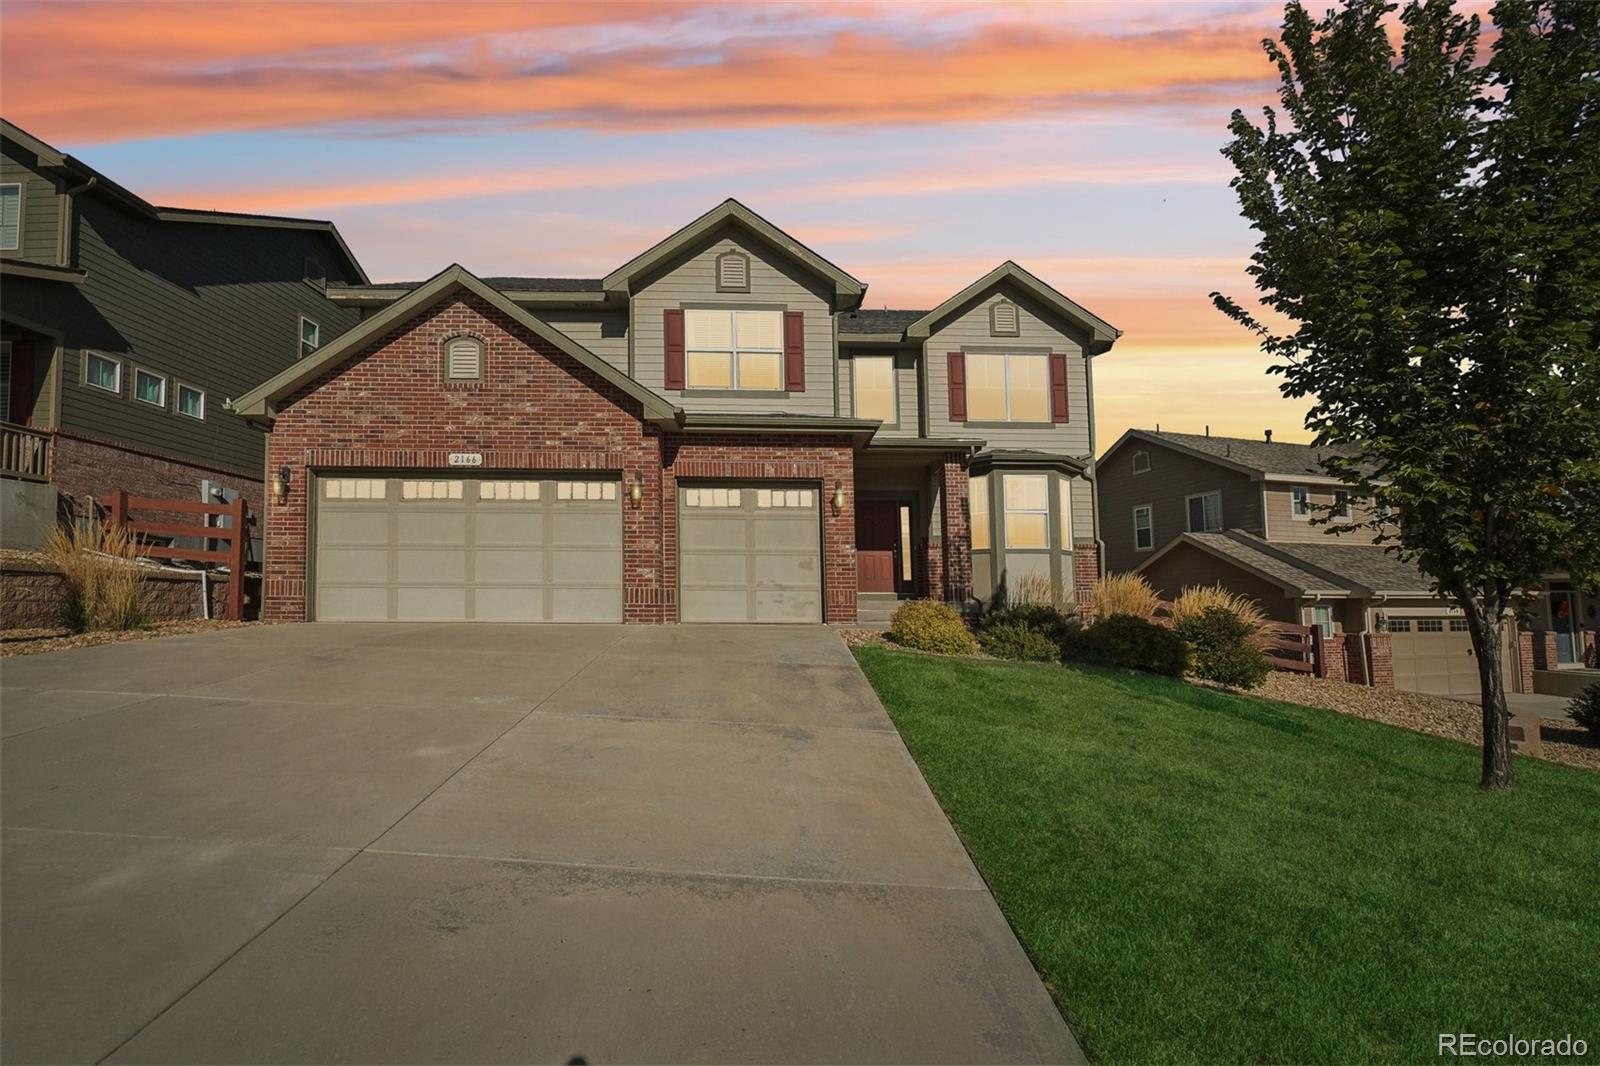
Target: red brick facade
<point>81,467</point>
<point>536,408</point>
<point>1085,574</point>
<point>955,563</point>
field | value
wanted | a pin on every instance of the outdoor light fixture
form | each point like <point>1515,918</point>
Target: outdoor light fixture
<point>636,489</point>
<point>280,485</point>
<point>838,497</point>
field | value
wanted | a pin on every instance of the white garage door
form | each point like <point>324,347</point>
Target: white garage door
<point>1433,655</point>
<point>750,552</point>
<point>436,548</point>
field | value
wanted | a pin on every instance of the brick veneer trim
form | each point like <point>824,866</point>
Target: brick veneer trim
<point>80,468</point>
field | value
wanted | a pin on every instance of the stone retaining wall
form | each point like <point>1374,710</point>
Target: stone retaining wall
<point>33,595</point>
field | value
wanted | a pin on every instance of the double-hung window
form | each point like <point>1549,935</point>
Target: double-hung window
<point>191,401</point>
<point>874,385</point>
<point>102,372</point>
<point>1205,512</point>
<point>1300,502</point>
<point>1322,618</point>
<point>10,216</point>
<point>149,388</point>
<point>1027,510</point>
<point>728,349</point>
<point>1008,388</point>
<point>1341,505</point>
<point>978,499</point>
<point>1144,530</point>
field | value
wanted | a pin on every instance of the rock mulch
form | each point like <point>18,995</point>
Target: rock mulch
<point>37,641</point>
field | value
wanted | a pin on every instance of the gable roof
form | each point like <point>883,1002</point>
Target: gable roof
<point>1293,579</point>
<point>1102,333</point>
<point>1310,568</point>
<point>257,403</point>
<point>52,159</point>
<point>1271,461</point>
<point>847,290</point>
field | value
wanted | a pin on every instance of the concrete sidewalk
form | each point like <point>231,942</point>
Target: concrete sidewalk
<point>413,843</point>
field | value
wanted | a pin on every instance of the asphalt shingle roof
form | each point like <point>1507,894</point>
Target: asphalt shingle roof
<point>1256,559</point>
<point>866,320</point>
<point>1279,457</point>
<point>1364,564</point>
<point>515,284</point>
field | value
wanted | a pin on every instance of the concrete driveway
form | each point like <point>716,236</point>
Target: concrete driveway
<point>414,843</point>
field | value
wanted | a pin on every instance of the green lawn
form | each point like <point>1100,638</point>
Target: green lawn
<point>1205,877</point>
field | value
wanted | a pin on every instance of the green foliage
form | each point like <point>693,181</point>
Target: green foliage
<point>1585,709</point>
<point>929,625</point>
<point>1040,617</point>
<point>1130,643</point>
<point>1427,228</point>
<point>1019,641</point>
<point>1224,647</point>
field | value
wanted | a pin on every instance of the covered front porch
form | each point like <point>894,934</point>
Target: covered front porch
<point>912,522</point>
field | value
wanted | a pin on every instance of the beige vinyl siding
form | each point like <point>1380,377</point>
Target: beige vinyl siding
<point>1283,526</point>
<point>905,380</point>
<point>1186,566</point>
<point>689,279</point>
<point>40,206</point>
<point>605,333</point>
<point>171,297</point>
<point>1173,476</point>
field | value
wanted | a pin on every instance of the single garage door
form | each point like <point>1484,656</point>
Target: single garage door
<point>750,553</point>
<point>1433,655</point>
<point>436,548</point>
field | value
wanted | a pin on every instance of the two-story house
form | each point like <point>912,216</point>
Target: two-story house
<point>714,431</point>
<point>126,326</point>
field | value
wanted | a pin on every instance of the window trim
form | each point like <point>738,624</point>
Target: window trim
<point>300,337</point>
<point>134,393</point>
<point>83,371</point>
<point>731,253</point>
<point>1294,511</point>
<point>1006,510</point>
<point>894,388</point>
<point>994,321</point>
<point>1006,356</point>
<point>1187,517</point>
<point>734,387</point>
<point>1326,627</point>
<point>21,188</point>
<point>444,351</point>
<point>1137,469</point>
<point>1341,501</point>
<point>177,400</point>
<point>1150,515</point>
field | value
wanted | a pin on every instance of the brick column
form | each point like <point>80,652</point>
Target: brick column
<point>1524,660</point>
<point>1330,656</point>
<point>1591,656</point>
<point>1085,574</point>
<point>1544,649</point>
<point>1380,660</point>
<point>956,522</point>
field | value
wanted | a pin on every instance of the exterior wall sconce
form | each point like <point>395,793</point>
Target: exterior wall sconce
<point>838,497</point>
<point>280,485</point>
<point>636,489</point>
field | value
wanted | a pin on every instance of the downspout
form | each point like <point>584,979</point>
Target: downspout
<point>1094,476</point>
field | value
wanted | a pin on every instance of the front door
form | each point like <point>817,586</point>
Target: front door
<point>877,539</point>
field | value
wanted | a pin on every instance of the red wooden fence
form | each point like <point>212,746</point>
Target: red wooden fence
<point>1291,647</point>
<point>236,535</point>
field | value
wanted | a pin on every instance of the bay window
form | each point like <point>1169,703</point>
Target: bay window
<point>978,503</point>
<point>1027,510</point>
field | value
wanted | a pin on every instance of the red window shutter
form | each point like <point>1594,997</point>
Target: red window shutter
<point>1058,387</point>
<point>794,351</point>
<point>672,339</point>
<point>958,387</point>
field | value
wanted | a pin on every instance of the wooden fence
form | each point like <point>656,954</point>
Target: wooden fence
<point>1292,647</point>
<point>236,535</point>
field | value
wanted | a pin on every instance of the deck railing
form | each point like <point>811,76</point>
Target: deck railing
<point>24,453</point>
<point>236,534</point>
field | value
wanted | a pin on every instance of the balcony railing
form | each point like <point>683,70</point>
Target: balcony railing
<point>24,453</point>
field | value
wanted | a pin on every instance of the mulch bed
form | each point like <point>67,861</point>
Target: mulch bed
<point>38,641</point>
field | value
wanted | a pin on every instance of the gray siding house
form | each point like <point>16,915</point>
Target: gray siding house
<point>126,328</point>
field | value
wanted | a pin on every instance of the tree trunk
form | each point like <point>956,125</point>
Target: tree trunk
<point>1486,624</point>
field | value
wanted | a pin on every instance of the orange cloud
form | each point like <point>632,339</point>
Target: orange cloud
<point>141,70</point>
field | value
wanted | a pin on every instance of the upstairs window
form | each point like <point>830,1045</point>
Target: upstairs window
<point>1144,530</point>
<point>874,387</point>
<point>149,388</point>
<point>1300,502</point>
<point>1141,462</point>
<point>191,401</point>
<point>1008,388</point>
<point>733,272</point>
<point>1341,505</point>
<point>1004,320</point>
<point>1205,512</point>
<point>728,349</point>
<point>102,372</point>
<point>310,336</point>
<point>10,216</point>
<point>463,359</point>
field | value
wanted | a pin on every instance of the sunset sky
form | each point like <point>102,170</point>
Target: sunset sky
<point>916,145</point>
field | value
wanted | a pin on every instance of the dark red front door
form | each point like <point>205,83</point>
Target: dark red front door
<point>877,534</point>
<point>21,391</point>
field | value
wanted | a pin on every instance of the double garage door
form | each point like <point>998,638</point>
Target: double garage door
<point>542,549</point>
<point>1433,655</point>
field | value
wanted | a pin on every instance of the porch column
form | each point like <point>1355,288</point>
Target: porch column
<point>956,521</point>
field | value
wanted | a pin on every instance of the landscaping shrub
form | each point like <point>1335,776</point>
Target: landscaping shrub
<point>1224,647</point>
<point>1585,709</point>
<point>1124,594</point>
<point>1131,643</point>
<point>98,564</point>
<point>928,625</point>
<point>1039,617</point>
<point>1193,602</point>
<point>1020,641</point>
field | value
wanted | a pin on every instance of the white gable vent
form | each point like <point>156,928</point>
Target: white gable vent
<point>733,272</point>
<point>1003,320</point>
<point>464,359</point>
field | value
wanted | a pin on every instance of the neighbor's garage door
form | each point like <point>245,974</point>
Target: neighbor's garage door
<point>1433,655</point>
<point>448,549</point>
<point>750,553</point>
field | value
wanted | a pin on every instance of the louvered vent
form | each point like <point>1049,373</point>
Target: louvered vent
<point>733,272</point>
<point>1003,319</point>
<point>464,359</point>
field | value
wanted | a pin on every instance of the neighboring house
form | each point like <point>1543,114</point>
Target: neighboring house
<point>127,326</point>
<point>715,431</point>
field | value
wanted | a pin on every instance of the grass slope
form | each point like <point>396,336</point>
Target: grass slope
<point>1206,877</point>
